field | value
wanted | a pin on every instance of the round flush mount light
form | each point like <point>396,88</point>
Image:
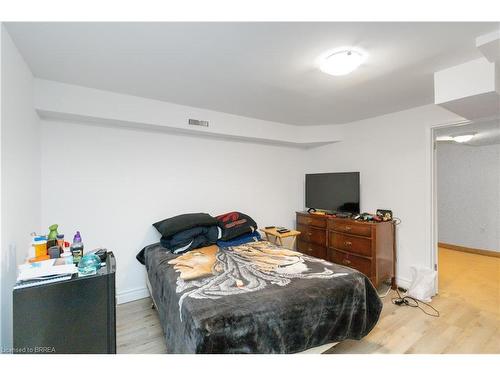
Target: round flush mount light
<point>341,61</point>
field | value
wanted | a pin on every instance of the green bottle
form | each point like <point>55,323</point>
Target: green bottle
<point>53,232</point>
<point>52,237</point>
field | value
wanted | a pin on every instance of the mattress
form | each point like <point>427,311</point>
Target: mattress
<point>257,298</point>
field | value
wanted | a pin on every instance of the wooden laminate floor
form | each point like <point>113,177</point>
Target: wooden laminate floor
<point>468,300</point>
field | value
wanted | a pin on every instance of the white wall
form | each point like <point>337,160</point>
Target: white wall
<point>113,183</point>
<point>20,172</point>
<point>468,181</point>
<point>393,154</point>
<point>65,101</point>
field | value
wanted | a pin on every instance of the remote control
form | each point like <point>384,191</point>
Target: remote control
<point>271,227</point>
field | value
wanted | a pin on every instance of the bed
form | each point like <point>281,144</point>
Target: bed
<point>256,298</point>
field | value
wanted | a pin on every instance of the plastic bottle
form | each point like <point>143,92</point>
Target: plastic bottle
<point>52,237</point>
<point>53,232</point>
<point>60,242</point>
<point>66,254</point>
<point>40,245</point>
<point>77,248</point>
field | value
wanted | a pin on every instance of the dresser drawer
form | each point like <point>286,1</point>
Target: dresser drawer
<point>348,226</point>
<point>363,265</point>
<point>315,221</point>
<point>310,234</point>
<point>311,249</point>
<point>352,244</point>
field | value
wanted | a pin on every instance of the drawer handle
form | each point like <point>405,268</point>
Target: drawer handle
<point>309,234</point>
<point>348,229</point>
<point>348,243</point>
<point>346,261</point>
<point>310,248</point>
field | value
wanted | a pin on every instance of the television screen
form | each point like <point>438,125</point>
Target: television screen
<point>337,192</point>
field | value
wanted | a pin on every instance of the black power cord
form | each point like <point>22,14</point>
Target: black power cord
<point>406,300</point>
<point>413,302</point>
<point>410,301</point>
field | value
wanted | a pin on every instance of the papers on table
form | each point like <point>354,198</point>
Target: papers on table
<point>45,269</point>
<point>35,282</point>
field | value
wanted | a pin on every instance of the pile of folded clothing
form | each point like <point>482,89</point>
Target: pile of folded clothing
<point>186,232</point>
<point>236,229</point>
<point>192,231</point>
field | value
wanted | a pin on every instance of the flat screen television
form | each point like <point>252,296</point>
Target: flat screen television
<point>337,192</point>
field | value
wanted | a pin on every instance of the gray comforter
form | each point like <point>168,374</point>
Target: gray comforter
<point>257,298</point>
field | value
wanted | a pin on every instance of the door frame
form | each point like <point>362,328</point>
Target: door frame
<point>434,201</point>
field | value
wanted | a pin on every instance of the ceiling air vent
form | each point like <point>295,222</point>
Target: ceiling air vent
<point>198,122</point>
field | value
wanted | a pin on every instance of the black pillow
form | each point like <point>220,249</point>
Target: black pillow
<point>235,224</point>
<point>176,224</point>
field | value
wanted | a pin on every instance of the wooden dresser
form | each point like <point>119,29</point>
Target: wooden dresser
<point>365,246</point>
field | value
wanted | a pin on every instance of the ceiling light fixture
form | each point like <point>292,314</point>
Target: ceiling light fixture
<point>462,138</point>
<point>341,61</point>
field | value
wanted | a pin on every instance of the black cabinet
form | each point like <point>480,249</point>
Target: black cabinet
<point>71,316</point>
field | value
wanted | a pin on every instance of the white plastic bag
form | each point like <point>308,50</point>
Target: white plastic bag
<point>423,284</point>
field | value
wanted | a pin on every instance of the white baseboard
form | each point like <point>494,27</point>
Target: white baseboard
<point>131,295</point>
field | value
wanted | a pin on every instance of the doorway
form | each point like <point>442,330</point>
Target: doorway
<point>466,212</point>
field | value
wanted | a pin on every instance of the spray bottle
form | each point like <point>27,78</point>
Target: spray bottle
<point>77,248</point>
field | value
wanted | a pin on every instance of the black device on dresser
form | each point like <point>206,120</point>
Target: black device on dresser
<point>72,316</point>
